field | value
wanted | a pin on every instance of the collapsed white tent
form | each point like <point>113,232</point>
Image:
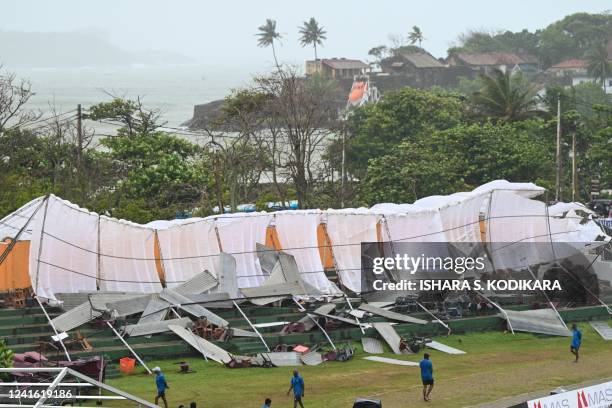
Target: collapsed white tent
<point>75,250</point>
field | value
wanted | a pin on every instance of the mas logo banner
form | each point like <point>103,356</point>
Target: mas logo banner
<point>597,396</point>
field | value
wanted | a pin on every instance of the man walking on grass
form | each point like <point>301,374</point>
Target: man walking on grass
<point>297,385</point>
<point>576,341</point>
<point>426,376</point>
<point>162,386</point>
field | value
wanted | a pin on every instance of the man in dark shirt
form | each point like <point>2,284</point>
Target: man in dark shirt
<point>426,376</point>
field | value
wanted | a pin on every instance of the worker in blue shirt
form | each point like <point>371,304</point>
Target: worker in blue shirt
<point>297,385</point>
<point>267,403</point>
<point>162,386</point>
<point>576,342</point>
<point>426,376</point>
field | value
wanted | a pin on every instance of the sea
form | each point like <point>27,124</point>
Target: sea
<point>173,89</point>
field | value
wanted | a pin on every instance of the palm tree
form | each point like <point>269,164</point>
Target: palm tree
<point>505,96</point>
<point>312,33</point>
<point>598,65</point>
<point>416,35</point>
<point>267,34</point>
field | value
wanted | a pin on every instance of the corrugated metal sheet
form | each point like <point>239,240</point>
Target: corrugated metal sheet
<point>215,300</point>
<point>371,345</point>
<point>71,300</point>
<point>391,361</point>
<point>321,312</point>
<point>444,348</point>
<point>134,330</point>
<point>198,284</point>
<point>127,307</point>
<point>99,301</point>
<point>284,359</point>
<point>390,335</point>
<point>183,302</point>
<point>603,329</point>
<point>156,310</point>
<point>243,333</point>
<point>390,315</point>
<point>267,257</point>
<point>205,347</point>
<point>544,321</point>
<point>275,291</point>
<point>312,358</point>
<point>75,317</point>
<point>227,275</point>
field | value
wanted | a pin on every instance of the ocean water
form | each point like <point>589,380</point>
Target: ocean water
<point>172,89</point>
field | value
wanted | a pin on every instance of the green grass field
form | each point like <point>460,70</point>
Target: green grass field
<point>496,365</point>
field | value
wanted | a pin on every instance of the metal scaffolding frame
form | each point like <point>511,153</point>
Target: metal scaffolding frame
<point>56,384</point>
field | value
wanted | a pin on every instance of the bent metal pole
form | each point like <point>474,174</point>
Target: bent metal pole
<point>128,347</point>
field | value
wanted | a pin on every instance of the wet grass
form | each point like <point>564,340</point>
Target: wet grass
<point>496,365</point>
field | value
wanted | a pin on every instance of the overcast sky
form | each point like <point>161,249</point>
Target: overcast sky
<point>222,32</point>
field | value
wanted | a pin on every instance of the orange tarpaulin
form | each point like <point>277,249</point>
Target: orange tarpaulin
<point>14,271</point>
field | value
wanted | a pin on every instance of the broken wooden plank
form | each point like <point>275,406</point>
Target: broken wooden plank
<point>208,349</point>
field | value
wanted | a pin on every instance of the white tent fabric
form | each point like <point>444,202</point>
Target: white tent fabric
<point>68,260</point>
<point>513,218</point>
<point>188,249</point>
<point>347,229</point>
<point>573,222</point>
<point>238,234</point>
<point>414,226</point>
<point>12,223</point>
<point>461,220</point>
<point>70,245</point>
<point>528,190</point>
<point>516,224</point>
<point>297,234</point>
<point>127,260</point>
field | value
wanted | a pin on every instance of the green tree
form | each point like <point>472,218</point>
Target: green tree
<point>376,129</point>
<point>312,34</point>
<point>416,36</point>
<point>159,175</point>
<point>598,65</point>
<point>127,113</point>
<point>504,95</point>
<point>6,358</point>
<point>455,159</point>
<point>267,35</point>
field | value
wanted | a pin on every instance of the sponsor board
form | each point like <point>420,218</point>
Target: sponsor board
<point>596,396</point>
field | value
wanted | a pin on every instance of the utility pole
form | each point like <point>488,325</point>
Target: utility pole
<point>343,169</point>
<point>574,166</point>
<point>79,134</point>
<point>558,176</point>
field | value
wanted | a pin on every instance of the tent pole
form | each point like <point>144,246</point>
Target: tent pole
<point>251,324</point>
<point>128,347</point>
<point>331,343</point>
<point>53,327</point>
<point>15,239</point>
<point>435,317</point>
